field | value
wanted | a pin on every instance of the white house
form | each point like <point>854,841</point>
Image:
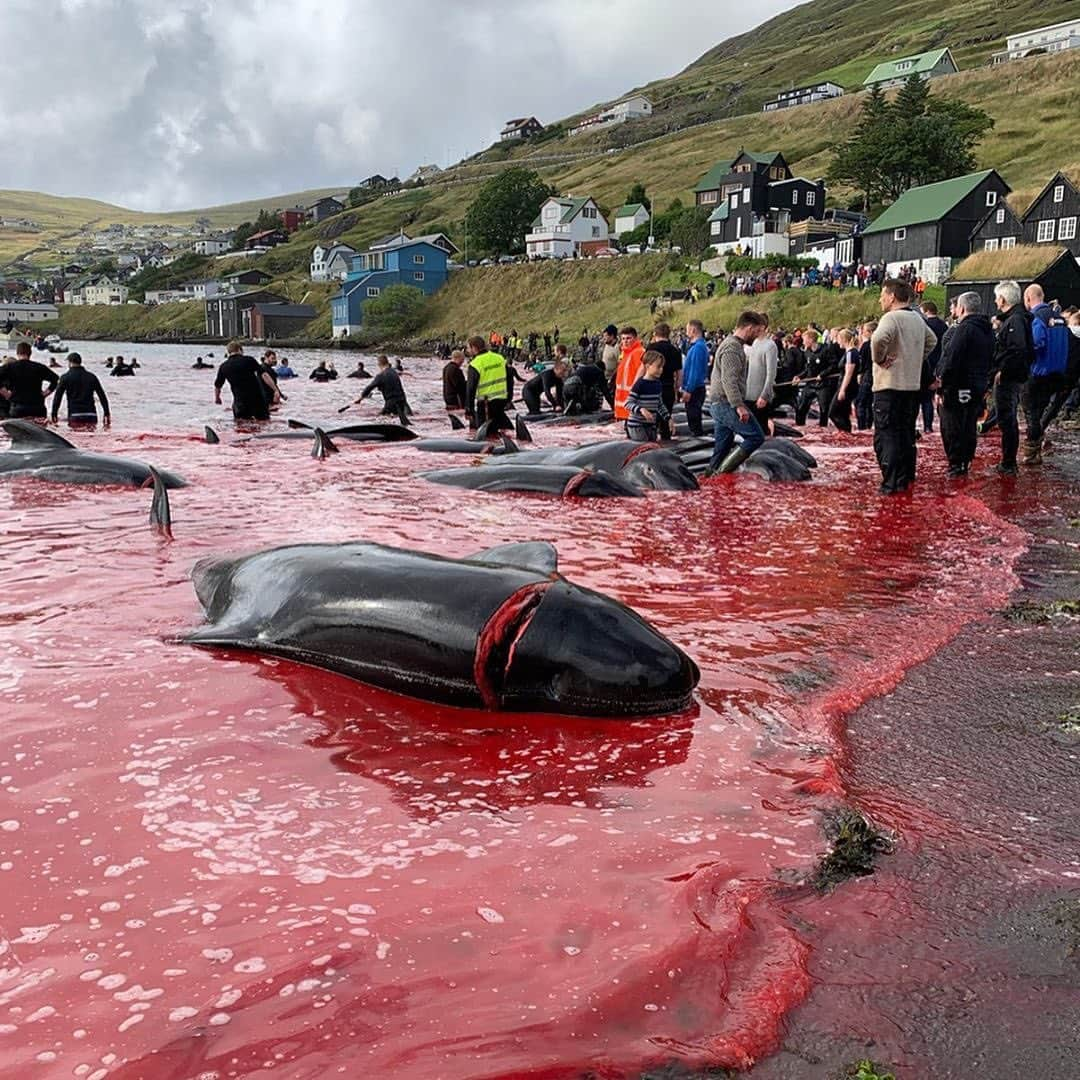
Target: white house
<point>631,108</point>
<point>27,313</point>
<point>1046,39</point>
<point>200,290</point>
<point>630,217</point>
<point>567,226</point>
<point>803,95</point>
<point>331,262</point>
<point>425,173</point>
<point>97,292</point>
<point>167,296</point>
<point>213,245</point>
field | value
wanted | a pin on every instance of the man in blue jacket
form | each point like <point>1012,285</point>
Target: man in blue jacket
<point>695,372</point>
<point>1050,337</point>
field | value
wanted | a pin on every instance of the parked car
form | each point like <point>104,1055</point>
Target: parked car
<point>633,249</point>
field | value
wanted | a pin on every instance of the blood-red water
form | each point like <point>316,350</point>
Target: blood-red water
<point>221,865</point>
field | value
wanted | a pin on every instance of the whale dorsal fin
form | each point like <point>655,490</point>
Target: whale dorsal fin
<point>210,435</point>
<point>322,446</point>
<point>537,555</point>
<point>25,433</point>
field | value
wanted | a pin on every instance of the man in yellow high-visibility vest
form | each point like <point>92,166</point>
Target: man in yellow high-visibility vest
<point>488,387</point>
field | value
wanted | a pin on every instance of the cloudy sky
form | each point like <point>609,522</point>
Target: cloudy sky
<point>169,104</point>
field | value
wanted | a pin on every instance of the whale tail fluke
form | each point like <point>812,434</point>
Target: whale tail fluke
<point>521,430</point>
<point>210,435</point>
<point>322,446</point>
<point>160,511</point>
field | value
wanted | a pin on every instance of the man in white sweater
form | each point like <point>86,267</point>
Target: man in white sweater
<point>760,376</point>
<point>898,348</point>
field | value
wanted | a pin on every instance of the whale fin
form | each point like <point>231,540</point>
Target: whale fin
<point>483,431</point>
<point>322,446</point>
<point>210,435</point>
<point>521,431</point>
<point>537,555</point>
<point>455,423</point>
<point>25,433</point>
<point>299,425</point>
<point>160,511</point>
<point>509,446</point>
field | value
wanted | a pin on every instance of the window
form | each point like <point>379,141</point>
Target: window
<point>1046,231</point>
<point>795,197</point>
<point>708,197</point>
<point>418,259</point>
<point>991,198</point>
<point>418,275</point>
<point>810,198</point>
<point>735,201</point>
<point>899,234</point>
<point>1008,242</point>
<point>373,290</point>
<point>990,245</point>
<point>1059,193</point>
<point>999,217</point>
<point>596,230</point>
<point>1067,228</point>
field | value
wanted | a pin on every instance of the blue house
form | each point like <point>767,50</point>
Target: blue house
<point>406,262</point>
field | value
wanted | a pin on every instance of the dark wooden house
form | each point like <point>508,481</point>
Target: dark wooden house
<point>245,278</point>
<point>1051,218</point>
<point>929,226</point>
<point>999,230</point>
<point>262,322</point>
<point>1054,268</point>
<point>225,312</point>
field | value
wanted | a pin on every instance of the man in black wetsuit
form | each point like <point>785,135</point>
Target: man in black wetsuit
<point>583,391</point>
<point>388,383</point>
<point>321,373</point>
<point>246,380</point>
<point>201,365</point>
<point>120,368</point>
<point>549,383</point>
<point>21,383</point>
<point>80,386</point>
<point>361,372</point>
<point>817,381</point>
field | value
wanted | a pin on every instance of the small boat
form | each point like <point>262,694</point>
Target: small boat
<point>55,345</point>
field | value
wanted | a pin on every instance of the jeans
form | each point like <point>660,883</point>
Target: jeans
<point>667,427</point>
<point>693,411</point>
<point>894,437</point>
<point>726,425</point>
<point>959,415</point>
<point>864,406</point>
<point>927,404</point>
<point>1006,399</point>
<point>1038,392</point>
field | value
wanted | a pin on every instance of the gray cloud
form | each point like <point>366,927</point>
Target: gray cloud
<point>168,104</point>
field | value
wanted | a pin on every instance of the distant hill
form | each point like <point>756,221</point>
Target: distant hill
<point>59,216</point>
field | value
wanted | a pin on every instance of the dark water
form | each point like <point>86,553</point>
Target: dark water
<point>218,866</point>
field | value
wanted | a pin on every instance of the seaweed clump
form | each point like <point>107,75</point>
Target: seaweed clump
<point>1040,614</point>
<point>855,844</point>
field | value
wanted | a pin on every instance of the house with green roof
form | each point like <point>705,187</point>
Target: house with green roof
<point>567,226</point>
<point>930,226</point>
<point>927,65</point>
<point>630,217</point>
<point>753,200</point>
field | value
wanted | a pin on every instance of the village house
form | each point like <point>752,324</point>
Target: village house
<point>565,227</point>
<point>630,217</point>
<point>930,226</point>
<point>242,280</point>
<point>927,65</point>
<point>293,218</point>
<point>96,292</point>
<point>999,230</point>
<point>268,238</point>
<point>324,208</point>
<point>439,240</point>
<point>754,200</point>
<point>632,108</point>
<point>1054,268</point>
<point>166,296</point>
<point>27,313</point>
<point>331,262</point>
<point>804,95</point>
<point>1051,218</point>
<point>415,262</point>
<point>1045,39</point>
<point>212,245</point>
<point>424,173</point>
<point>524,127</point>
<point>265,322</point>
<point>225,313</point>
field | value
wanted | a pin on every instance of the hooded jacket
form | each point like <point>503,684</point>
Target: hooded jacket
<point>967,354</point>
<point>1013,350</point>
<point>1050,338</point>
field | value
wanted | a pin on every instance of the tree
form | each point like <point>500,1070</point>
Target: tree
<point>915,140</point>
<point>689,231</point>
<point>504,209</point>
<point>395,313</point>
<point>638,195</point>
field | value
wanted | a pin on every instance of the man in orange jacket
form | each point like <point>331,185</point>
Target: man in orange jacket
<point>629,370</point>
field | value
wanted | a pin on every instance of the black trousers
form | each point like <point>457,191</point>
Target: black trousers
<point>398,409</point>
<point>959,415</point>
<point>665,427</point>
<point>531,397</point>
<point>493,411</point>
<point>864,406</point>
<point>894,437</point>
<point>1037,394</point>
<point>1006,400</point>
<point>840,411</point>
<point>823,394</point>
<point>693,411</point>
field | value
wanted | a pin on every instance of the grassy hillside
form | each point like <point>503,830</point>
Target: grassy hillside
<point>61,216</point>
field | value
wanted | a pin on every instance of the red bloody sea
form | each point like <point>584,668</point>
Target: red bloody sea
<point>222,865</point>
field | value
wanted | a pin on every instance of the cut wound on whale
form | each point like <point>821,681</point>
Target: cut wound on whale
<point>498,638</point>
